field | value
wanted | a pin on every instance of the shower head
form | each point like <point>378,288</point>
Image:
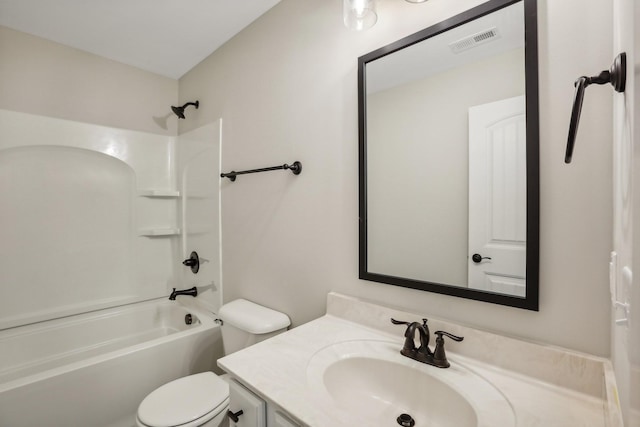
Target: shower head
<point>179,111</point>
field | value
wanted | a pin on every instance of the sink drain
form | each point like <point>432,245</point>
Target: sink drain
<point>405,420</point>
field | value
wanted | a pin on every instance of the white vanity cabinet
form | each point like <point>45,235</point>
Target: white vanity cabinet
<point>282,420</point>
<point>257,411</point>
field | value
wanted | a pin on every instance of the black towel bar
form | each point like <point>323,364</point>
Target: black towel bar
<point>616,75</point>
<point>296,168</point>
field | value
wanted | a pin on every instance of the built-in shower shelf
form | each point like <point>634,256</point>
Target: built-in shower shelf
<point>200,195</point>
<point>159,232</point>
<point>198,229</point>
<point>159,193</point>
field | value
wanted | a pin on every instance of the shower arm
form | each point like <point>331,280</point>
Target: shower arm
<point>179,111</point>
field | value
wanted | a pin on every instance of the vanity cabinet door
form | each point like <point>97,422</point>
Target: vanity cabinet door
<point>253,407</point>
<point>280,420</point>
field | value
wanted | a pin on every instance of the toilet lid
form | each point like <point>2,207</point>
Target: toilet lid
<point>184,400</point>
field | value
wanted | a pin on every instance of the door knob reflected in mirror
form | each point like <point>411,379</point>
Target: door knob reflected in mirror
<point>477,258</point>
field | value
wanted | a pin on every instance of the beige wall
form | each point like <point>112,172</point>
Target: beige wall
<point>41,77</point>
<point>286,89</point>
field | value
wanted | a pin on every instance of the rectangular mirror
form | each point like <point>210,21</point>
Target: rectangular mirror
<point>449,161</point>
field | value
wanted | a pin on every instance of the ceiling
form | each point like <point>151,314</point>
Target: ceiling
<point>167,37</point>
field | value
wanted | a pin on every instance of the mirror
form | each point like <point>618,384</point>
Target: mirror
<point>449,158</point>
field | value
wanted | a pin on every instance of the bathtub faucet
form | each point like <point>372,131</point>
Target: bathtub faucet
<point>193,292</point>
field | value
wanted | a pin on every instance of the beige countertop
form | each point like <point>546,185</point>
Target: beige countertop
<point>543,385</point>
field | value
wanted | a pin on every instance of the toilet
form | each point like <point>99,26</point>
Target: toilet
<point>202,400</point>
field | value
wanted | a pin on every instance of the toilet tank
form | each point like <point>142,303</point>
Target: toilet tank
<point>246,323</point>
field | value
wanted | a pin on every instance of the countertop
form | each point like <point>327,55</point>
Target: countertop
<point>544,385</point>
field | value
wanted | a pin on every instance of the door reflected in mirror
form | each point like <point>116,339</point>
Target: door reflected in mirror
<point>449,157</point>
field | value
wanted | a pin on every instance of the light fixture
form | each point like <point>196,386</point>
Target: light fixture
<point>416,1</point>
<point>359,14</point>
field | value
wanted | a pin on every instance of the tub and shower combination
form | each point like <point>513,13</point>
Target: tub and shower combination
<point>89,256</point>
<point>94,369</point>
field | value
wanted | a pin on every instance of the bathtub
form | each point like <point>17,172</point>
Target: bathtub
<point>94,369</point>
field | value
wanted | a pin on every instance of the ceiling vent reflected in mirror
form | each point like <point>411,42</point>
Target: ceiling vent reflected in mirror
<point>474,40</point>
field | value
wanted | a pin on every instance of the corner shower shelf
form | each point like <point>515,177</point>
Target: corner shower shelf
<point>159,193</point>
<point>198,229</point>
<point>159,232</point>
<point>197,195</point>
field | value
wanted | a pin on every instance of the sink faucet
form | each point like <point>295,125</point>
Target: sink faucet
<point>193,292</point>
<point>423,354</point>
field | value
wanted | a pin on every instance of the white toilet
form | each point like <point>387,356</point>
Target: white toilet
<point>202,400</point>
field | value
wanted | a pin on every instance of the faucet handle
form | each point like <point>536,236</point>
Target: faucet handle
<point>400,322</point>
<point>439,355</point>
<point>453,337</point>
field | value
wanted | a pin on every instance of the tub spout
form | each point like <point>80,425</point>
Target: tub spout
<point>193,292</point>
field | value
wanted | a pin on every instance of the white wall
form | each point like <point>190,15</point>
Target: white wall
<point>625,347</point>
<point>286,89</point>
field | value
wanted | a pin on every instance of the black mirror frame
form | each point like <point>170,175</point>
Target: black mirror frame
<point>531,299</point>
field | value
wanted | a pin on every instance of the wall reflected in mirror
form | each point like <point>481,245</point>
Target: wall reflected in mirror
<point>444,166</point>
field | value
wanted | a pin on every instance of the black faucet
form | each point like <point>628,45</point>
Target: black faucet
<point>423,354</point>
<point>193,292</point>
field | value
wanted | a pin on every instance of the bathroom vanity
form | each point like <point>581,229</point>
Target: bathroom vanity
<point>345,369</point>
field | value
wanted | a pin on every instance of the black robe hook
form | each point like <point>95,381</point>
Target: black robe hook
<point>616,75</point>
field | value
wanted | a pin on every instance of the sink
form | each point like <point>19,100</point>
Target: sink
<point>372,381</point>
<point>365,384</point>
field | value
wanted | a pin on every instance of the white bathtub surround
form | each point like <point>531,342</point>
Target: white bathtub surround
<point>70,228</point>
<point>544,385</point>
<point>198,179</point>
<point>94,369</point>
<point>95,217</point>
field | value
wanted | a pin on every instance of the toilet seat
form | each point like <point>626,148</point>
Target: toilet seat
<point>186,402</point>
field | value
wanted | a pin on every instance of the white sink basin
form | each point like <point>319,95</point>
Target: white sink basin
<point>373,381</point>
